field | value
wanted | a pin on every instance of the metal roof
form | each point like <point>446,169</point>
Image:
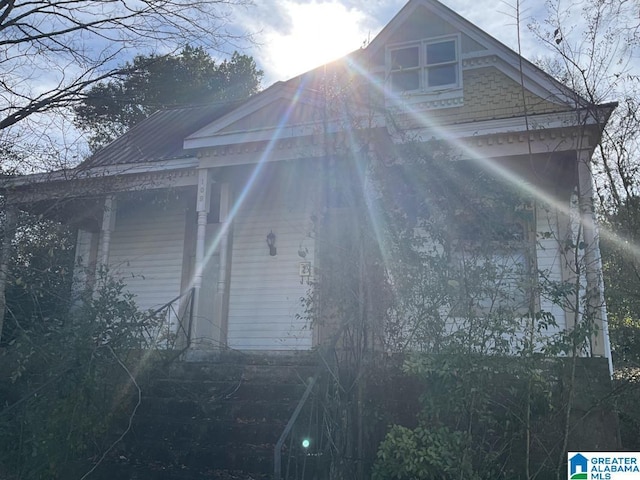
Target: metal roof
<point>158,137</point>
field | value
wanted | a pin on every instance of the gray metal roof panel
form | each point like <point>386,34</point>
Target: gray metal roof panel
<point>158,137</point>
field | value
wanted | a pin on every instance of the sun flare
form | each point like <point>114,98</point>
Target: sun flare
<point>320,33</point>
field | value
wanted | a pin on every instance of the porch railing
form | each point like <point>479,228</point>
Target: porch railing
<point>173,321</point>
<point>277,455</point>
<point>311,444</point>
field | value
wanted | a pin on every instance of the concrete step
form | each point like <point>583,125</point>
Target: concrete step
<point>224,372</point>
<point>216,390</point>
<point>226,409</point>
<point>150,430</point>
<point>221,416</point>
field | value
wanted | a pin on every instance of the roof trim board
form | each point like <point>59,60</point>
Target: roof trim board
<point>103,171</point>
<point>279,91</point>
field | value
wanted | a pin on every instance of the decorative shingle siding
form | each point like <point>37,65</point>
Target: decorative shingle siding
<point>488,94</point>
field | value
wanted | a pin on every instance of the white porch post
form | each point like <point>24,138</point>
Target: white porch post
<point>108,225</point>
<point>600,345</point>
<point>84,263</point>
<point>202,209</point>
<point>221,290</point>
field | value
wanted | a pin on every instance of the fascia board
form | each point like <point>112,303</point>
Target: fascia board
<point>535,123</point>
<point>263,99</point>
<point>249,136</point>
<point>261,135</point>
<point>279,91</point>
<point>309,152</point>
<point>161,166</point>
<point>98,172</point>
<point>275,133</point>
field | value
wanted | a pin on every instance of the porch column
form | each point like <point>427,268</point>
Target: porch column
<point>10,215</point>
<point>600,345</point>
<point>84,263</point>
<point>567,253</point>
<point>221,301</point>
<point>202,209</point>
<point>108,225</point>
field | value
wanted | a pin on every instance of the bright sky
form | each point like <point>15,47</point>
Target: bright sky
<point>309,43</point>
<point>298,35</point>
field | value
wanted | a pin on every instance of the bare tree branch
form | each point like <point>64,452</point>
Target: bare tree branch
<point>51,52</point>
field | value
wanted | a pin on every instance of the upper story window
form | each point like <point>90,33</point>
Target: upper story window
<point>425,66</point>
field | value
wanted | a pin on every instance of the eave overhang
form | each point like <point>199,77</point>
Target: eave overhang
<point>98,181</point>
<point>542,133</point>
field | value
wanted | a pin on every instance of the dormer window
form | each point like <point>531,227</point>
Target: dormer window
<point>441,64</point>
<point>426,66</point>
<point>405,69</point>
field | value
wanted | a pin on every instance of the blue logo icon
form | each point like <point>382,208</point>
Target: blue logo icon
<point>578,467</point>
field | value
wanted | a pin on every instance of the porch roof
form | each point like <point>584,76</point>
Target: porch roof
<point>158,137</point>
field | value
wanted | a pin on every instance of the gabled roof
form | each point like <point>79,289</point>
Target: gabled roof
<point>285,109</point>
<point>159,137</point>
<point>416,18</point>
<point>294,108</point>
<point>534,77</point>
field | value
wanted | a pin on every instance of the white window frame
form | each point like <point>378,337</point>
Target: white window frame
<point>513,264</point>
<point>514,259</point>
<point>411,69</point>
<point>423,66</point>
<point>428,66</point>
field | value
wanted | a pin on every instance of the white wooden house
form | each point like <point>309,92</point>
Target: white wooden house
<point>187,198</point>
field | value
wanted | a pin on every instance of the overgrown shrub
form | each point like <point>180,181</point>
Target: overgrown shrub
<point>71,384</point>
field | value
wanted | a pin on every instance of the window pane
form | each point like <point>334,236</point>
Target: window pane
<point>492,280</point>
<point>442,75</point>
<point>405,58</point>
<point>405,81</point>
<point>507,279</point>
<point>441,52</point>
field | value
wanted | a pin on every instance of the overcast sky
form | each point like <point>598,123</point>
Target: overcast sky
<point>298,35</point>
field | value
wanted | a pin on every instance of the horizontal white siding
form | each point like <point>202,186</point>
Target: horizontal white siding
<point>147,249</point>
<point>266,293</point>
